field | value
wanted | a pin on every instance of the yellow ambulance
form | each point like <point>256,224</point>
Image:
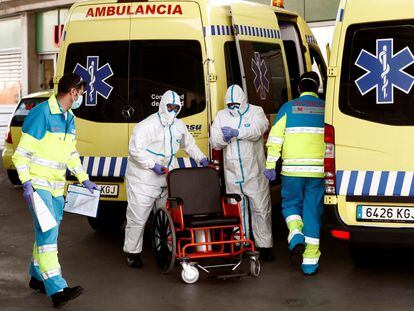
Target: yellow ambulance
<point>369,166</point>
<point>131,52</point>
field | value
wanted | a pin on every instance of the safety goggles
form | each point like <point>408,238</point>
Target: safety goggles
<point>233,106</point>
<point>173,107</point>
<point>81,83</point>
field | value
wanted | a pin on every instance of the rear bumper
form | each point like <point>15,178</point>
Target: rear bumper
<point>368,235</point>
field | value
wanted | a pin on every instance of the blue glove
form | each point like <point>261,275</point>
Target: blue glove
<point>89,185</point>
<point>270,174</point>
<point>205,162</point>
<point>159,169</point>
<point>229,133</point>
<point>28,192</point>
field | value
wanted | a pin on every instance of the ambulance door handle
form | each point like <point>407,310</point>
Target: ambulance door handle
<point>128,112</point>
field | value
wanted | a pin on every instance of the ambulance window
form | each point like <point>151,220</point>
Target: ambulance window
<point>293,52</point>
<point>318,65</point>
<point>232,64</point>
<point>377,76</point>
<point>104,65</point>
<point>160,65</point>
<point>265,75</point>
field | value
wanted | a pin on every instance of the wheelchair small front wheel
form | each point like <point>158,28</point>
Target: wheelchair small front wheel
<point>254,267</point>
<point>190,274</point>
<point>163,240</point>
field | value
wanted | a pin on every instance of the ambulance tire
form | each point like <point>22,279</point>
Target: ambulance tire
<point>111,218</point>
<point>13,177</point>
<point>361,256</point>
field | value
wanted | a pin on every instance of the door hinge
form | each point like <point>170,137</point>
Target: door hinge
<point>333,71</point>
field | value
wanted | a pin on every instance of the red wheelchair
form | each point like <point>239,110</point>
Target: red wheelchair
<point>200,224</point>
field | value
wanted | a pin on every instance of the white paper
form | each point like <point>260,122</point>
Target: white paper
<point>44,216</point>
<point>80,200</point>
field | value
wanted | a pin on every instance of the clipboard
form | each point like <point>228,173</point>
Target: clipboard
<point>81,201</point>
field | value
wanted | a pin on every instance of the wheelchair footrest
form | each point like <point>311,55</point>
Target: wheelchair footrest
<point>228,275</point>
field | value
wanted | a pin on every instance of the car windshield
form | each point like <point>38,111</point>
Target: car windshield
<point>23,110</point>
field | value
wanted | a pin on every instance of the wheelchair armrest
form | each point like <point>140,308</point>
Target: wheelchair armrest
<point>179,201</point>
<point>235,196</point>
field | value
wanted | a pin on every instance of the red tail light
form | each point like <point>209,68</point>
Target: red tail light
<point>9,139</point>
<point>341,235</point>
<point>217,159</point>
<point>330,174</point>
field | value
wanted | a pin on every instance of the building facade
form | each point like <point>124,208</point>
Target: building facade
<point>31,30</point>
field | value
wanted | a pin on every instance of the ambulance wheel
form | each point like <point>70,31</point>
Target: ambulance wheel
<point>110,217</point>
<point>190,274</point>
<point>163,240</point>
<point>254,266</point>
<point>13,177</point>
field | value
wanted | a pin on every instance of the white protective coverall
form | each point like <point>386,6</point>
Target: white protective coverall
<point>154,140</point>
<point>244,162</point>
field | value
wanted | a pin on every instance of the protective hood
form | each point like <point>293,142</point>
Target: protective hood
<point>169,97</point>
<point>235,94</point>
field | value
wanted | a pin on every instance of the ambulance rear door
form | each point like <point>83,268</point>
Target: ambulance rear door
<point>167,53</point>
<point>373,113</point>
<point>261,54</point>
<point>96,47</point>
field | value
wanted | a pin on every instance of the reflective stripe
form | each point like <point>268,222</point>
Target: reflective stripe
<point>318,161</point>
<point>303,169</point>
<point>51,273</point>
<point>312,241</point>
<point>310,261</point>
<point>55,185</point>
<point>275,140</point>
<point>293,233</point>
<point>272,158</point>
<point>47,248</point>
<point>35,262</point>
<point>24,152</point>
<point>74,155</point>
<point>292,218</point>
<point>48,163</point>
<point>22,168</point>
<point>77,170</point>
<point>304,130</point>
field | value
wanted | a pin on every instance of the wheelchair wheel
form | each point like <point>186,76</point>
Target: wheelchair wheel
<point>254,266</point>
<point>190,274</point>
<point>163,240</point>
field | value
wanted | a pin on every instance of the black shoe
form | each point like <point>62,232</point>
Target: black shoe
<point>134,260</point>
<point>37,285</point>
<point>68,293</point>
<point>266,254</point>
<point>296,255</point>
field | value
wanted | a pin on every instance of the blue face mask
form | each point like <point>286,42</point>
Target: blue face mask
<point>77,103</point>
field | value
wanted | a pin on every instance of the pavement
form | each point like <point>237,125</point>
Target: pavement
<point>96,262</point>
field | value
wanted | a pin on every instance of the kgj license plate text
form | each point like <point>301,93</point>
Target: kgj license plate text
<point>385,214</point>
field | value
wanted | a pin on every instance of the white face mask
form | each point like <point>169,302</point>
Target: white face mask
<point>77,103</point>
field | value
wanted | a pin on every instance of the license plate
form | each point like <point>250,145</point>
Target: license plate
<point>385,214</point>
<point>109,190</point>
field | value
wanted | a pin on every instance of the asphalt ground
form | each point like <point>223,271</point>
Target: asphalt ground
<point>96,262</point>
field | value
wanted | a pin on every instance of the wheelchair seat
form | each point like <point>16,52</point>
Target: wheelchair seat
<point>200,192</point>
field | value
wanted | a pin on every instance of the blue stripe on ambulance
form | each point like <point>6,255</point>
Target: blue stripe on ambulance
<point>375,183</point>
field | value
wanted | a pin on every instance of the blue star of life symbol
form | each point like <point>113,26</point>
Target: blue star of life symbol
<point>385,71</point>
<point>95,76</point>
<point>261,83</point>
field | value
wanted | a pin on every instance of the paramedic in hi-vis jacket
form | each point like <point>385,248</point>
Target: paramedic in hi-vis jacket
<point>47,148</point>
<point>298,136</point>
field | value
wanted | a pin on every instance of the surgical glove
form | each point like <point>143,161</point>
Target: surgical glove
<point>89,185</point>
<point>229,133</point>
<point>270,174</point>
<point>159,169</point>
<point>28,192</point>
<point>205,162</point>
